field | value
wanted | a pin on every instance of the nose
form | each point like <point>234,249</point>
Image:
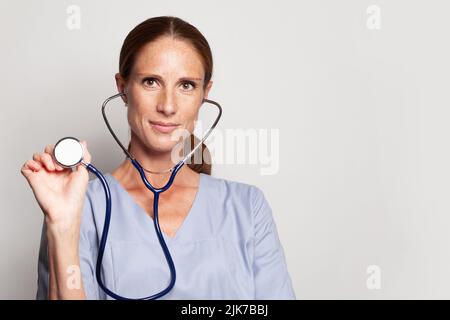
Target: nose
<point>167,103</point>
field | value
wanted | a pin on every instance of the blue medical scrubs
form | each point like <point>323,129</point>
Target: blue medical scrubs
<point>226,248</point>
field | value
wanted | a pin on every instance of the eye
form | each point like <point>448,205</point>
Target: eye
<point>188,84</point>
<point>149,82</point>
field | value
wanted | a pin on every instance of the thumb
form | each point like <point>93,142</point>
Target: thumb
<point>81,169</point>
<point>86,154</point>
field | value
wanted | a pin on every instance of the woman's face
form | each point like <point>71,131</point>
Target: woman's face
<point>165,86</point>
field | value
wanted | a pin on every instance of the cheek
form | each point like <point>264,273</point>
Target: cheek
<point>139,99</point>
<point>139,108</point>
<point>134,117</point>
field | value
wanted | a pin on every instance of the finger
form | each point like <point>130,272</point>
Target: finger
<point>49,149</point>
<point>35,166</point>
<point>26,170</point>
<point>45,159</point>
<point>31,166</point>
<point>48,158</point>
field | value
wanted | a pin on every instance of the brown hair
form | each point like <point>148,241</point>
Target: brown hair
<point>154,28</point>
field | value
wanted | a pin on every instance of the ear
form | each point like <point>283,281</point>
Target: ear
<point>120,83</point>
<point>208,87</point>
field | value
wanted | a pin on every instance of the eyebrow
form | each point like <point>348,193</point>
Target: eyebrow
<point>160,78</point>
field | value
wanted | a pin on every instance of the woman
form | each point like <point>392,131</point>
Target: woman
<point>221,234</point>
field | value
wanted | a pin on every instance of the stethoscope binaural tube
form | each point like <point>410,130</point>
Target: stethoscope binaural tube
<point>67,154</point>
<point>127,153</point>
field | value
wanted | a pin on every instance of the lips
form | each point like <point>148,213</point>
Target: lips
<point>163,127</point>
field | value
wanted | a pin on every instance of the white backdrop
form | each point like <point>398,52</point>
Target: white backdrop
<point>358,91</point>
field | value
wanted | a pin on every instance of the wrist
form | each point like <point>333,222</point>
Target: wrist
<point>63,233</point>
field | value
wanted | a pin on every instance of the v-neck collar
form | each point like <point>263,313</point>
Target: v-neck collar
<point>149,219</point>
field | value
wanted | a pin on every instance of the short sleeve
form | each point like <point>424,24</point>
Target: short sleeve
<point>271,277</point>
<point>88,245</point>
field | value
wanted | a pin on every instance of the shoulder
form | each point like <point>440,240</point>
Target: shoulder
<point>231,190</point>
<point>96,190</point>
<point>242,200</point>
<point>95,186</point>
<point>95,200</point>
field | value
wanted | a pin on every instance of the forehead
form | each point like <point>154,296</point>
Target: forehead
<point>168,55</point>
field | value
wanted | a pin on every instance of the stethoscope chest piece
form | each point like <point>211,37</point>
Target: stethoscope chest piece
<point>68,152</point>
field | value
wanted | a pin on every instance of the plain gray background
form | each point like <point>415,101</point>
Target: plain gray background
<point>362,114</point>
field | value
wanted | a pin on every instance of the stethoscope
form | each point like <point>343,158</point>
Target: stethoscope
<point>68,152</point>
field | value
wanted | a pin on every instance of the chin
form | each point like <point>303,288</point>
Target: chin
<point>162,145</point>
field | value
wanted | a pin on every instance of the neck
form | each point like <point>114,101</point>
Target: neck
<point>152,161</point>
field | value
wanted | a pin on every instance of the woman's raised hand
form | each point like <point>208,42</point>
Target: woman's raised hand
<point>60,192</point>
